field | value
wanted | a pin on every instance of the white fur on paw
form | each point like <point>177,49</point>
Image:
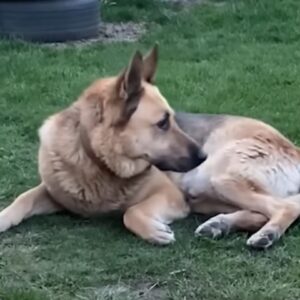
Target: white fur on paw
<point>161,234</point>
<point>213,228</point>
<point>263,239</point>
<point>207,231</point>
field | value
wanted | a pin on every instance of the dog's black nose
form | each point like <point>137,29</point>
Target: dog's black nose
<point>202,156</point>
<point>197,155</point>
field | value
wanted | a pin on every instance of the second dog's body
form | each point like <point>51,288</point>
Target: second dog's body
<point>252,174</point>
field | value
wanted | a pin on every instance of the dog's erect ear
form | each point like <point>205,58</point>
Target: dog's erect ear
<point>150,64</point>
<point>130,88</point>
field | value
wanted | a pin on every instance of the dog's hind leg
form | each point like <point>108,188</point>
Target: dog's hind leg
<point>35,201</point>
<point>222,224</point>
<point>246,195</point>
<point>278,224</point>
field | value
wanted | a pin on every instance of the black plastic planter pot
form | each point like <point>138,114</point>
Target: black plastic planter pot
<point>50,20</point>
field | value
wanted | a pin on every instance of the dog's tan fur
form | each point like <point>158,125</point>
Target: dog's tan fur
<point>251,178</point>
<point>99,156</point>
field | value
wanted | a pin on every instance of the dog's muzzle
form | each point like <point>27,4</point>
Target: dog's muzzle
<point>182,164</point>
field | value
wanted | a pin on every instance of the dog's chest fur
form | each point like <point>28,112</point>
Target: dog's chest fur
<point>72,177</point>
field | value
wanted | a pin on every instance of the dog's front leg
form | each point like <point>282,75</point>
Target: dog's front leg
<point>151,217</point>
<point>36,201</point>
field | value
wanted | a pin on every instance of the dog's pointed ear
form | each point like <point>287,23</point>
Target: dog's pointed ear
<point>129,85</point>
<point>150,64</point>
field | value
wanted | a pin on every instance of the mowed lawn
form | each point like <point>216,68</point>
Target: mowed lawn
<point>238,57</point>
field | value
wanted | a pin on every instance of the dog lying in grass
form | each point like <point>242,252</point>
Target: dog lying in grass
<point>120,147</point>
<point>103,154</point>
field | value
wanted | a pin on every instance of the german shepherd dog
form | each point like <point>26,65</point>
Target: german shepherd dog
<point>120,147</point>
<point>250,180</point>
<point>102,155</point>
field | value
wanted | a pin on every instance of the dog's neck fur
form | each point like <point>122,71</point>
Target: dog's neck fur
<point>99,142</point>
<point>108,160</point>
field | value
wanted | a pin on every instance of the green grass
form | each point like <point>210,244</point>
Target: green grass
<point>153,11</point>
<point>239,57</point>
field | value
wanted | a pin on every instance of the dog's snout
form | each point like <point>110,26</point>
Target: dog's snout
<point>187,159</point>
<point>202,157</point>
<point>197,156</point>
<point>193,158</point>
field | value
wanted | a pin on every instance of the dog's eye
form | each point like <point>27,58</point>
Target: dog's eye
<point>164,123</point>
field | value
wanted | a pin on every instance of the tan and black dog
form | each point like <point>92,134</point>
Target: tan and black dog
<point>251,178</point>
<point>100,155</point>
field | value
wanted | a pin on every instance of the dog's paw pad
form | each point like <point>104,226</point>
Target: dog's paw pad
<point>213,229</point>
<point>263,239</point>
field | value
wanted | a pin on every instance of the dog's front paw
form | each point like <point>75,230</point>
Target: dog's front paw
<point>264,238</point>
<point>161,234</point>
<point>215,227</point>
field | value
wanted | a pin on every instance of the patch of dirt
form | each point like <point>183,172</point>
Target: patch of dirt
<point>121,32</point>
<point>189,3</point>
<point>109,33</point>
<point>128,32</point>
